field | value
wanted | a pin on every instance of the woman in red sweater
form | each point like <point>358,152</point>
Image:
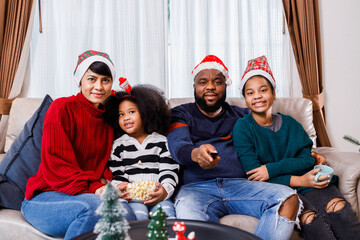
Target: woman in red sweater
<point>61,198</point>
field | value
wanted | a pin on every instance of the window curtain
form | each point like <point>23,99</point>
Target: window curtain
<point>304,28</point>
<point>15,33</point>
<point>2,22</point>
<point>236,31</point>
<point>131,32</point>
<point>158,41</point>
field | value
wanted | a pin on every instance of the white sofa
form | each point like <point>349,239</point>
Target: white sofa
<point>346,164</point>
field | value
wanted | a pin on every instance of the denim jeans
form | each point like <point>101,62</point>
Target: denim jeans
<point>62,215</point>
<point>213,199</point>
<point>334,225</point>
<point>141,210</point>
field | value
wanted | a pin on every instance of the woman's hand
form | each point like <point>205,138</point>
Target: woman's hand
<point>157,196</point>
<point>258,174</point>
<point>100,190</point>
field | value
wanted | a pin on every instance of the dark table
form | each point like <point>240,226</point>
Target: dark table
<point>203,231</point>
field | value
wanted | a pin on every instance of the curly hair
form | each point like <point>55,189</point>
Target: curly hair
<point>153,108</point>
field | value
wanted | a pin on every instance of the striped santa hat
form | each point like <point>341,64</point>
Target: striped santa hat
<point>255,67</point>
<point>89,57</point>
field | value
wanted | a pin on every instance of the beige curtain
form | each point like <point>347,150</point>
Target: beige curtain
<point>15,33</point>
<point>303,23</point>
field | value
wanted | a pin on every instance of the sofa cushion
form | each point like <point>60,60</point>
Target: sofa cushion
<point>21,111</point>
<point>249,223</point>
<point>22,159</point>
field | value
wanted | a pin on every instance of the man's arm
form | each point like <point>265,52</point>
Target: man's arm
<point>244,146</point>
<point>183,149</point>
<point>203,156</point>
<point>319,159</point>
<point>169,170</point>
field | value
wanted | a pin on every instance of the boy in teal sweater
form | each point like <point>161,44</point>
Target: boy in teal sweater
<point>276,148</point>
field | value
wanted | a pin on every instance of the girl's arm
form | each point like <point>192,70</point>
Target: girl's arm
<point>168,174</point>
<point>116,163</point>
<point>244,146</point>
<point>160,194</point>
<point>308,180</point>
<point>169,170</point>
<point>296,148</point>
<point>292,165</point>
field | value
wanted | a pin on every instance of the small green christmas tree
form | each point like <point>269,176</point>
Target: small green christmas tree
<point>157,226</point>
<point>111,225</point>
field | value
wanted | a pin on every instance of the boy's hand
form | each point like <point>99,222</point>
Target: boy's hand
<point>202,156</point>
<point>157,196</point>
<point>258,174</point>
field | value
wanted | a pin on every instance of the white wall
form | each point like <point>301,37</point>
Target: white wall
<point>340,33</point>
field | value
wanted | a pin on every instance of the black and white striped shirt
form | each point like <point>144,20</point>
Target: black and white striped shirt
<point>131,161</point>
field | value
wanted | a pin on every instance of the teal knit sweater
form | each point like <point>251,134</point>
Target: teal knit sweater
<point>285,152</point>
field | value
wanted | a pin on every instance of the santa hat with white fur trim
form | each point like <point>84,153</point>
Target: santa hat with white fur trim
<point>212,62</point>
<point>89,57</point>
<point>255,67</point>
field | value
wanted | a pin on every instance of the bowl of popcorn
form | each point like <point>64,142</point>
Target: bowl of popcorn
<point>139,190</point>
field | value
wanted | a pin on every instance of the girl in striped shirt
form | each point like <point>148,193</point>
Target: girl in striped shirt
<point>140,152</point>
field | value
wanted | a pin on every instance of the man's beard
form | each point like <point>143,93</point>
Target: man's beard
<point>210,109</point>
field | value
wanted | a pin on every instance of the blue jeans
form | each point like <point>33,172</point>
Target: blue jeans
<point>213,199</point>
<point>62,215</point>
<point>141,210</point>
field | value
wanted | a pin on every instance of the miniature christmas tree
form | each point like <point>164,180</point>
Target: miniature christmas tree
<point>111,225</point>
<point>157,226</point>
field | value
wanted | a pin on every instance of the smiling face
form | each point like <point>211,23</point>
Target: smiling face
<point>209,90</point>
<point>95,87</point>
<point>259,95</point>
<point>130,119</point>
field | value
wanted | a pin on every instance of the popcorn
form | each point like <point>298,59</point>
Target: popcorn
<point>140,190</point>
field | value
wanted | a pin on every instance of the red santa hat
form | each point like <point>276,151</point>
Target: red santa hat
<point>212,62</point>
<point>89,57</point>
<point>257,66</point>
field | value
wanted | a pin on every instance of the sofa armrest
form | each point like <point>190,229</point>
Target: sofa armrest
<point>14,226</point>
<point>347,166</point>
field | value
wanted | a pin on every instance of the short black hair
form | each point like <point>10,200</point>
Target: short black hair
<point>100,68</point>
<point>152,104</point>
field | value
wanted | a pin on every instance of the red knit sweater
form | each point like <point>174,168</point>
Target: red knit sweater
<point>76,146</point>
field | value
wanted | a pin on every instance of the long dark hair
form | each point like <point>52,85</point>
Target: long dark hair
<point>153,108</point>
